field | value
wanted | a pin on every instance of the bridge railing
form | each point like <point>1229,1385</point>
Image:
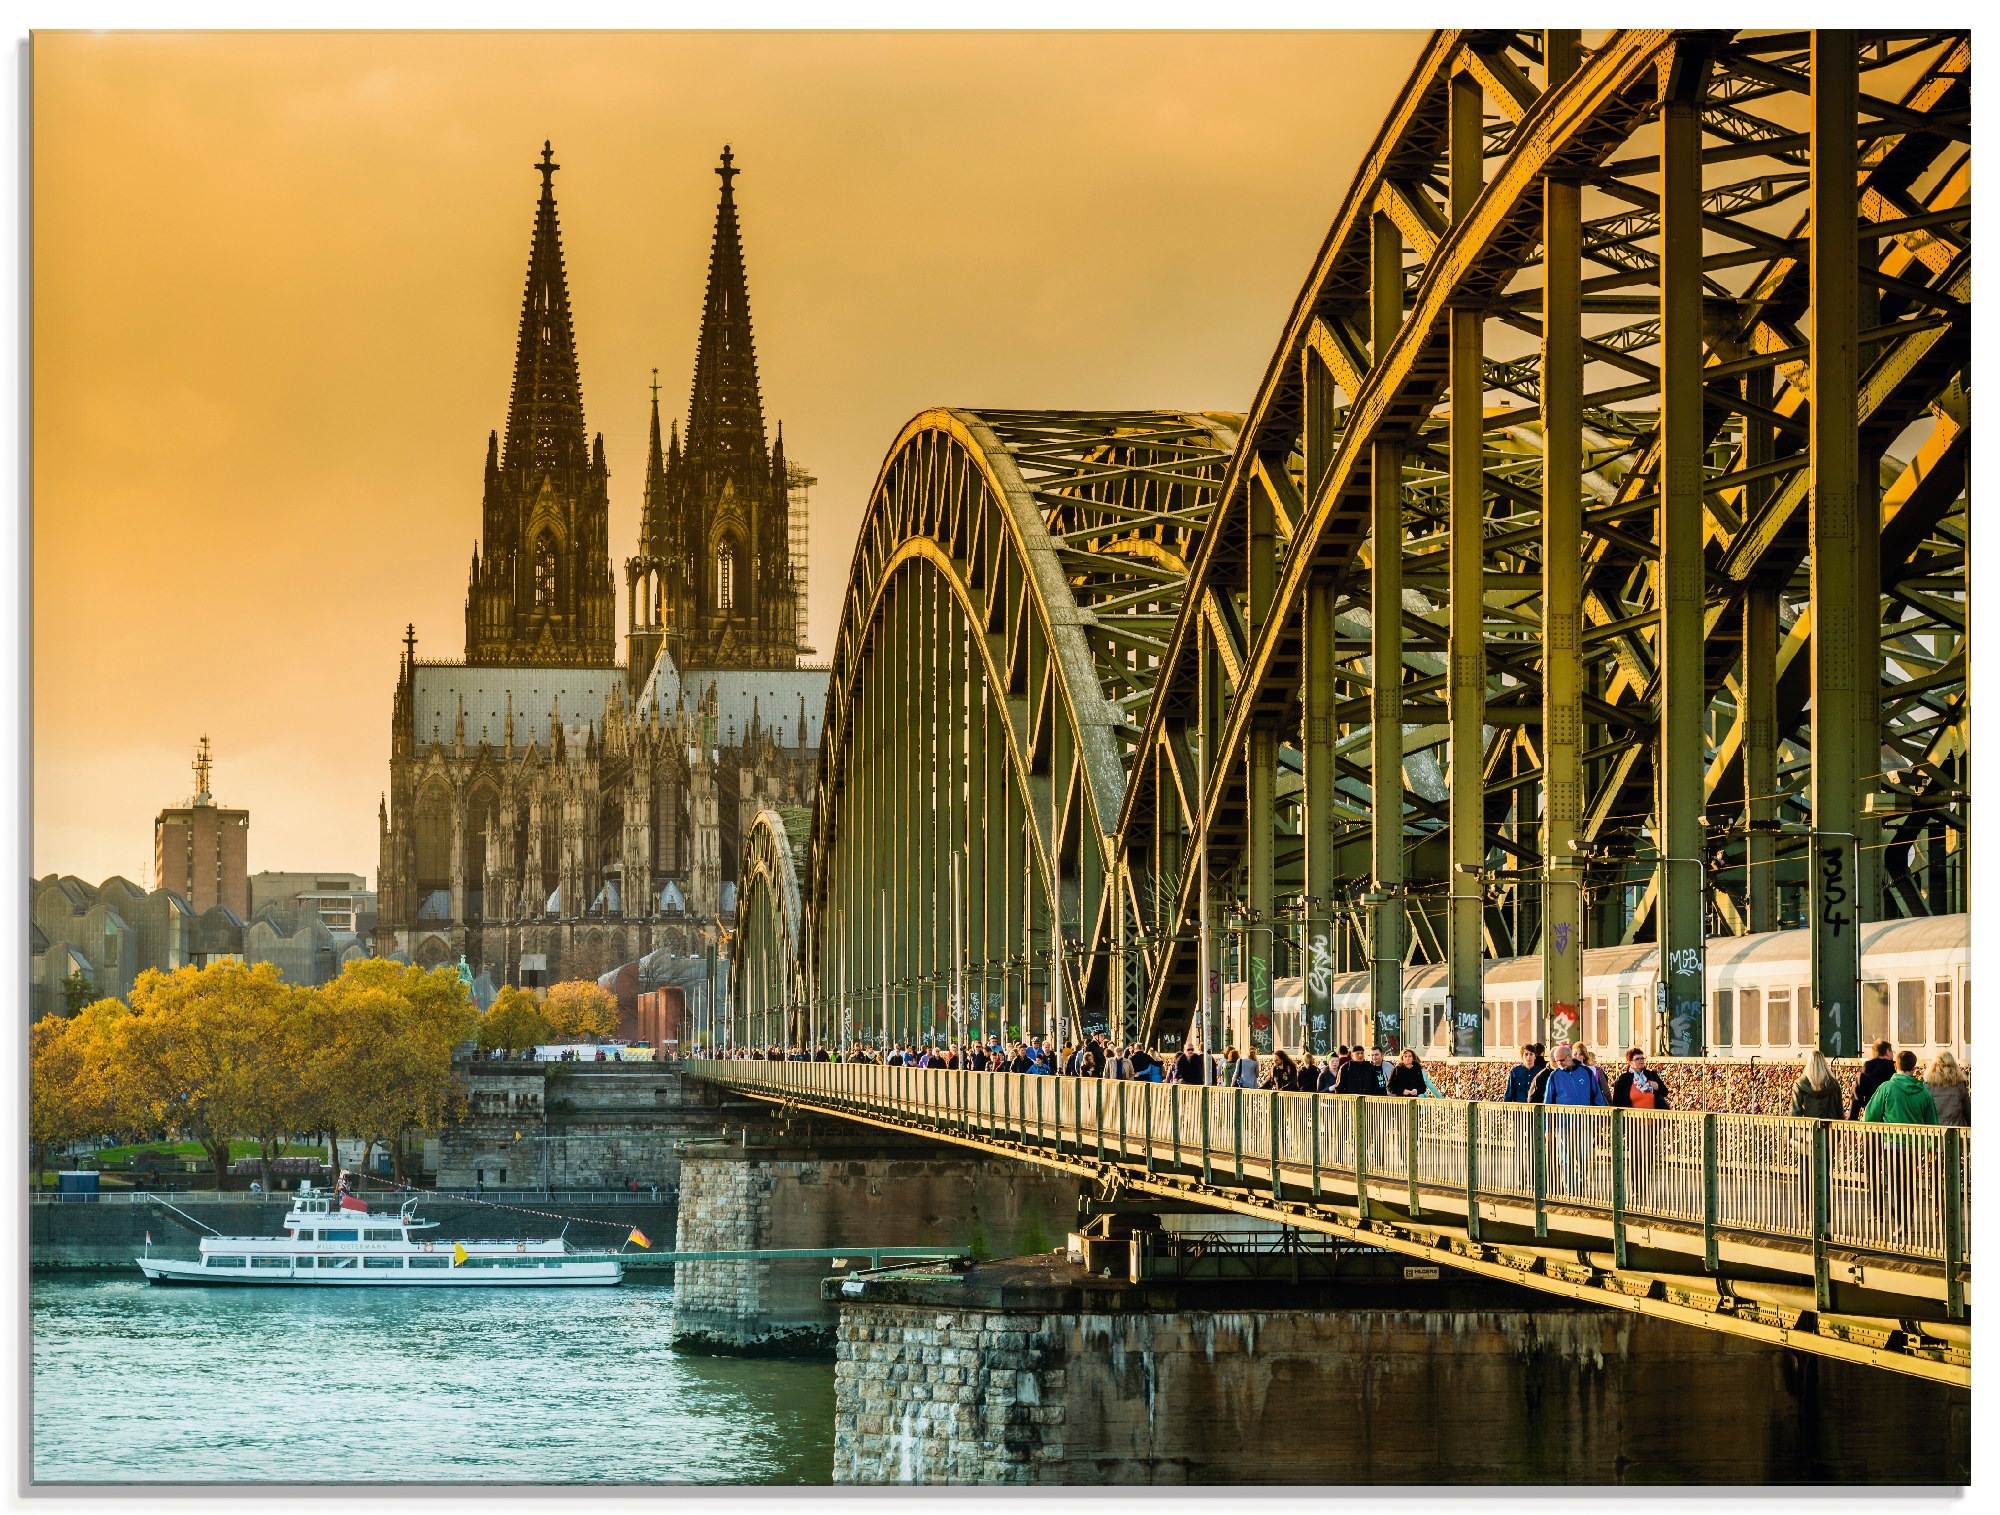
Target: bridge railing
<point>1899,1190</point>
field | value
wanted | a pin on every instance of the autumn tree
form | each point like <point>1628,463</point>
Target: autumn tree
<point>583,1009</point>
<point>514,1022</point>
<point>71,1095</point>
<point>201,1055</point>
<point>389,1029</point>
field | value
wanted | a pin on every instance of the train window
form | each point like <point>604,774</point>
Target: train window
<point>1778,1014</point>
<point>1749,1017</point>
<point>1725,1018</point>
<point>1874,1013</point>
<point>1941,1012</point>
<point>1909,1011</point>
<point>1965,1010</point>
<point>1749,1024</point>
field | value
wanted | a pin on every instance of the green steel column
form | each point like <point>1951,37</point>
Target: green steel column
<point>1385,647</point>
<point>1261,753</point>
<point>929,874</point>
<point>1760,752</point>
<point>1321,599</point>
<point>1262,750</point>
<point>1843,753</point>
<point>1562,576</point>
<point>1682,754</point>
<point>1465,693</point>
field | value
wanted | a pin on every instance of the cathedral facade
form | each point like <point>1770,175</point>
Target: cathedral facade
<point>553,812</point>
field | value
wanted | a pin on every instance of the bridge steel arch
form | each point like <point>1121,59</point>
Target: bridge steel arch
<point>770,992</point>
<point>1016,576</point>
<point>1624,412</point>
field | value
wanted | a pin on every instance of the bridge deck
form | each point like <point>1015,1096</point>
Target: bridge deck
<point>1842,1239</point>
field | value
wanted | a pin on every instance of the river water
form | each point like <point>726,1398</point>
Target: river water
<point>135,1383</point>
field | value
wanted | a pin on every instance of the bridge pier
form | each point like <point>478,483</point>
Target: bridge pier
<point>1032,1371</point>
<point>828,1186</point>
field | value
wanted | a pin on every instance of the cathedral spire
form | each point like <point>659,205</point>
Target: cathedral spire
<point>652,506</point>
<point>726,411</point>
<point>545,415</point>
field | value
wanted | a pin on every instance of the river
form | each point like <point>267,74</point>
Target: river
<point>135,1383</point>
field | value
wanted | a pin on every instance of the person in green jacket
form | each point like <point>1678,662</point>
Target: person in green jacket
<point>1903,1100</point>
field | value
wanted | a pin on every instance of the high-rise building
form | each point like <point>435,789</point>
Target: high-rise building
<point>202,851</point>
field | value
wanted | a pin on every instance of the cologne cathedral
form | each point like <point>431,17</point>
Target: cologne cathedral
<point>553,813</point>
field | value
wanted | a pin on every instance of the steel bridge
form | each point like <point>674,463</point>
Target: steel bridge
<point>1589,568</point>
<point>1623,415</point>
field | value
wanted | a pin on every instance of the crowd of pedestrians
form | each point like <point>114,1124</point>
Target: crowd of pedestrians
<point>1890,1088</point>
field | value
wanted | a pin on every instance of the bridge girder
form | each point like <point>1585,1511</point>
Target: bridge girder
<point>1014,576</point>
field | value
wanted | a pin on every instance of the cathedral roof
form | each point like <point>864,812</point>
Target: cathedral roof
<point>578,693</point>
<point>770,698</point>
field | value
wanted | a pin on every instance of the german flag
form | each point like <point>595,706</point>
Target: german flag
<point>638,1238</point>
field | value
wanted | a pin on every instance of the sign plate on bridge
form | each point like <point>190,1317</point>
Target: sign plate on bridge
<point>1420,1272</point>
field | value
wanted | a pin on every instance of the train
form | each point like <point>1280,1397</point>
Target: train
<point>1916,991</point>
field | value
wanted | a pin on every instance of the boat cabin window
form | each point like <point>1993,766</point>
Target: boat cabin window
<point>223,1262</point>
<point>339,1235</point>
<point>270,1262</point>
<point>302,1262</point>
<point>383,1236</point>
<point>339,1262</point>
<point>430,1262</point>
<point>381,1262</point>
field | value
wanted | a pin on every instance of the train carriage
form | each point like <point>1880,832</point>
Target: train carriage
<point>1916,991</point>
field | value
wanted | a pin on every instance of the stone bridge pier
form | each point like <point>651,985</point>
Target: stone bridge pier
<point>1033,1371</point>
<point>816,1183</point>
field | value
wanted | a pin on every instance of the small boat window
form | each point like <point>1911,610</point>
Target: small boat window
<point>339,1262</point>
<point>302,1262</point>
<point>383,1236</point>
<point>270,1262</point>
<point>339,1236</point>
<point>430,1262</point>
<point>381,1262</point>
<point>223,1262</point>
<point>553,1262</point>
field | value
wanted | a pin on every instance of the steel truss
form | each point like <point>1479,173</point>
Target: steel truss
<point>1624,414</point>
<point>1015,580</point>
<point>1678,651</point>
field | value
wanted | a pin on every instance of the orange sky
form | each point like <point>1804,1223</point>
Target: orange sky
<point>277,277</point>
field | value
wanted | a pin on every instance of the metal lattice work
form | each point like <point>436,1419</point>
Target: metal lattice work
<point>1679,651</point>
<point>1015,580</point>
<point>770,982</point>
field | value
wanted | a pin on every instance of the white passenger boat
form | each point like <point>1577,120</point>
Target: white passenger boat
<point>330,1244</point>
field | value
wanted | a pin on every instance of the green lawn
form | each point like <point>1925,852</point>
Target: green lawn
<point>118,1156</point>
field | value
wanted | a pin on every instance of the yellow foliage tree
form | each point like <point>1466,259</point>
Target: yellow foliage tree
<point>581,1008</point>
<point>514,1022</point>
<point>70,1096</point>
<point>202,1055</point>
<point>383,1070</point>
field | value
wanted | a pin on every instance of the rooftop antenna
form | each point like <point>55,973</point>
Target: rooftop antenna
<point>202,764</point>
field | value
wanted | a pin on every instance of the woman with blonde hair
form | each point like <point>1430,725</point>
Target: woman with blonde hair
<point>1817,1096</point>
<point>1948,1091</point>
